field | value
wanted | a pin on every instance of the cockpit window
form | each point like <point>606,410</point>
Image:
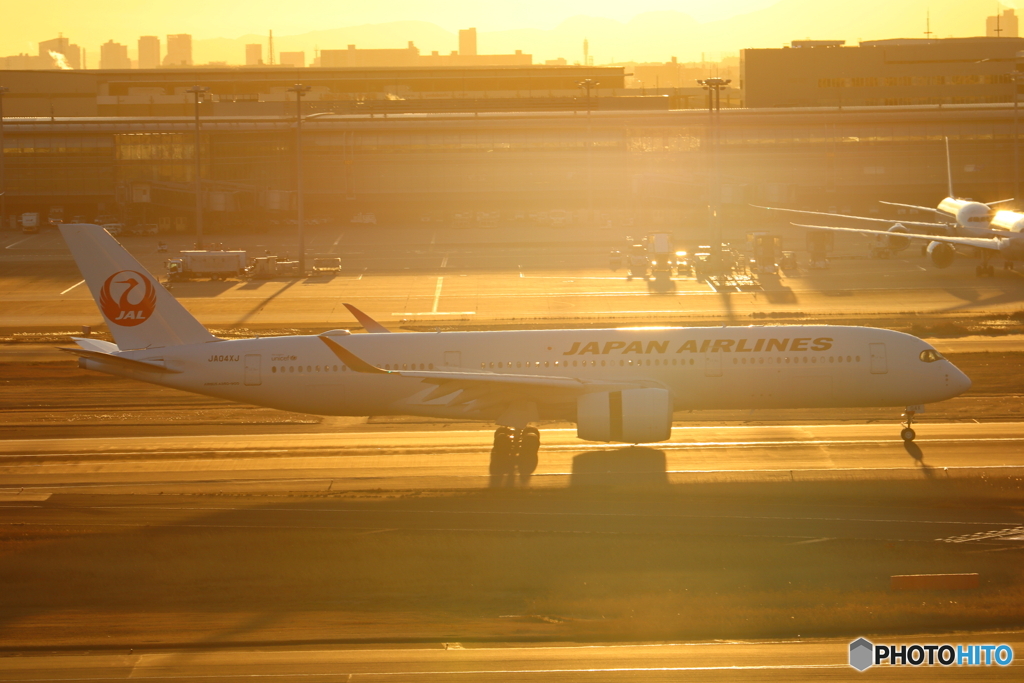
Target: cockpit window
<point>930,355</point>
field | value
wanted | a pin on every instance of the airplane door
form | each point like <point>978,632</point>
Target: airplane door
<point>252,370</point>
<point>713,364</point>
<point>878,364</point>
<point>453,359</point>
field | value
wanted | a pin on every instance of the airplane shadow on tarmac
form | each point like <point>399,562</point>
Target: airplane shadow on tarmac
<point>631,466</point>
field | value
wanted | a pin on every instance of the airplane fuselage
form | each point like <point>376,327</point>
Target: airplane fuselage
<point>703,368</point>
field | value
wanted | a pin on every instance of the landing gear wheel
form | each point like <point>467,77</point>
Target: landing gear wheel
<point>526,460</point>
<point>503,460</point>
<point>908,434</point>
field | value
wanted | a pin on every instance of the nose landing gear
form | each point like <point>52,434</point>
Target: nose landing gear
<point>908,433</point>
<point>514,450</point>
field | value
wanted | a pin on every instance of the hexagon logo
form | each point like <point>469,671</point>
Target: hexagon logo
<point>861,654</point>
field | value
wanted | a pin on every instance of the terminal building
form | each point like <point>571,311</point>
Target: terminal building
<point>263,90</point>
<point>601,168</point>
<point>824,73</point>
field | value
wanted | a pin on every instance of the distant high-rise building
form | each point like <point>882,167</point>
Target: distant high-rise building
<point>254,54</point>
<point>114,56</point>
<point>1002,25</point>
<point>179,50</point>
<point>467,41</point>
<point>297,59</point>
<point>149,52</point>
<point>62,46</point>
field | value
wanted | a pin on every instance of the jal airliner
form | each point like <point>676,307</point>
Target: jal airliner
<point>617,385</point>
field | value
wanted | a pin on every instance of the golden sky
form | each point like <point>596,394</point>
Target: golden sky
<point>24,23</point>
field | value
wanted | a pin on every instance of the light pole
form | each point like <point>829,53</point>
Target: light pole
<point>588,84</point>
<point>198,91</point>
<point>299,91</point>
<point>714,87</point>
<point>1016,78</point>
<point>3,177</point>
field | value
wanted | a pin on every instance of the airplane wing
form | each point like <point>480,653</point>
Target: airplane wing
<point>859,218</point>
<point>487,388</point>
<point>1001,201</point>
<point>909,206</point>
<point>991,244</point>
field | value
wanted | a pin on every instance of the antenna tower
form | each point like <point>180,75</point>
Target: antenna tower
<point>270,59</point>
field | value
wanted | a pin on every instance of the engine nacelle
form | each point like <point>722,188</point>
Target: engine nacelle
<point>628,416</point>
<point>941,254</point>
<point>897,243</point>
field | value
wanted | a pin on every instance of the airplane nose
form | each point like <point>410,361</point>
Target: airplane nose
<point>958,381</point>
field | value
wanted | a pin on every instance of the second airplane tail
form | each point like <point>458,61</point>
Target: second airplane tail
<point>138,310</point>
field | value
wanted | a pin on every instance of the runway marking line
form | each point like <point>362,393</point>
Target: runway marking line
<point>476,513</point>
<point>72,287</point>
<point>11,246</point>
<point>413,450</point>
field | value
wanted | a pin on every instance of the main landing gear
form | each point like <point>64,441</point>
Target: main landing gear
<point>515,450</point>
<point>908,433</point>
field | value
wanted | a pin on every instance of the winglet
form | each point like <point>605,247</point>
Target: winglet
<point>352,360</point>
<point>368,323</point>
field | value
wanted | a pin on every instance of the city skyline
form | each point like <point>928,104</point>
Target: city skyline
<point>652,33</point>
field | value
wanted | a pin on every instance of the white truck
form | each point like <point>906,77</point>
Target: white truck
<point>30,222</point>
<point>216,265</point>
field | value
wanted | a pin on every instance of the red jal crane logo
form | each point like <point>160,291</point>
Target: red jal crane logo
<point>133,304</point>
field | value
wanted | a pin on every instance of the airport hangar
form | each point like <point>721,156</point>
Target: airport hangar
<point>651,166</point>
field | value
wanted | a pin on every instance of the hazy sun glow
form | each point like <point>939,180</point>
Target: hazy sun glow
<point>645,30</point>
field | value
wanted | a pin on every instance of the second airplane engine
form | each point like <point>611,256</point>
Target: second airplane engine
<point>628,416</point>
<point>941,254</point>
<point>896,242</point>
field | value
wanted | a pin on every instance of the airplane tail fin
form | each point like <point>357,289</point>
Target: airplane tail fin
<point>139,311</point>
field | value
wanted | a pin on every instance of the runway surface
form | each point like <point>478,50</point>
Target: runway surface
<point>435,458</point>
<point>811,660</point>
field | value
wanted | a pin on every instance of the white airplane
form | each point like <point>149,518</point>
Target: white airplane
<point>958,218</point>
<point>617,385</point>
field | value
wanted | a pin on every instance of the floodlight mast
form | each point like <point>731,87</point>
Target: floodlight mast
<point>300,91</point>
<point>714,87</point>
<point>198,92</point>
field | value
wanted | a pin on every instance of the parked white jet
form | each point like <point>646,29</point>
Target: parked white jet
<point>617,385</point>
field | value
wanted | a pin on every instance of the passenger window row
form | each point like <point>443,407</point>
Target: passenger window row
<point>308,368</point>
<point>503,365</point>
<point>796,360</point>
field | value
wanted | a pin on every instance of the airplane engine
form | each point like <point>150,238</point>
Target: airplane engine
<point>628,416</point>
<point>897,243</point>
<point>941,254</point>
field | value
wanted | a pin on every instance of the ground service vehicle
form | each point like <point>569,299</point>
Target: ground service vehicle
<point>215,265</point>
<point>30,222</point>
